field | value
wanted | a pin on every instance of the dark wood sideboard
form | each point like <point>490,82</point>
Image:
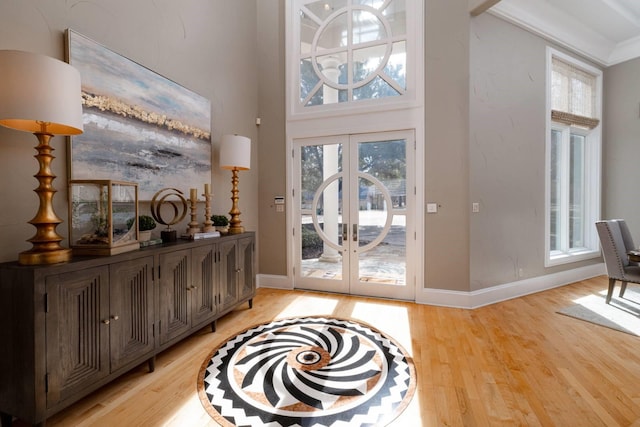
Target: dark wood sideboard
<point>68,329</point>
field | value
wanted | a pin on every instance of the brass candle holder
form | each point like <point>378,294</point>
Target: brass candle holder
<point>194,226</point>
<point>208,224</point>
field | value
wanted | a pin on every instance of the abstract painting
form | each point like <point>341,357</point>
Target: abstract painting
<point>138,125</point>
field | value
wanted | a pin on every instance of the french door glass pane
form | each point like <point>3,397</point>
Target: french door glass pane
<point>382,194</point>
<point>321,228</point>
<point>555,193</point>
<point>577,190</point>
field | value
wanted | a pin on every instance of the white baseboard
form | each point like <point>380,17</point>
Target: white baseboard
<point>273,281</point>
<point>479,298</point>
<point>474,299</point>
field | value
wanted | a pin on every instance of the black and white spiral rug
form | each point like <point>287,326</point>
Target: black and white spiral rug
<point>309,371</point>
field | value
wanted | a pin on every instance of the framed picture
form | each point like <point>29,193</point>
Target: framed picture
<point>138,125</point>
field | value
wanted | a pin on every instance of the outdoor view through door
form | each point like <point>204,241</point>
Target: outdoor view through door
<point>355,194</point>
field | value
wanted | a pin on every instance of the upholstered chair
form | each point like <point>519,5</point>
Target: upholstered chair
<point>615,256</point>
<point>626,237</point>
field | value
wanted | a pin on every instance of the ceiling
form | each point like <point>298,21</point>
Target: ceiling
<point>605,31</point>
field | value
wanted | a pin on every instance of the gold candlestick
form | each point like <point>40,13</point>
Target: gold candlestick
<point>208,224</point>
<point>194,227</point>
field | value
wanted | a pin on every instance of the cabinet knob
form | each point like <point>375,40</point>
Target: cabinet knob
<point>106,321</point>
<point>194,287</point>
<point>115,317</point>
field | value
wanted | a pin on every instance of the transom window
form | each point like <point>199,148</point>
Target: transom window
<point>573,159</point>
<point>350,50</point>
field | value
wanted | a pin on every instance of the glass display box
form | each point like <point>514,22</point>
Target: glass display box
<point>103,217</point>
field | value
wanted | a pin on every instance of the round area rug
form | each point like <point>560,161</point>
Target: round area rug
<point>310,371</point>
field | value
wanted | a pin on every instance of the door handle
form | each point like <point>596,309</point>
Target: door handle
<point>345,233</point>
<point>355,232</point>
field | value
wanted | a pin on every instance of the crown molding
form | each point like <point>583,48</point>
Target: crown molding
<point>555,25</point>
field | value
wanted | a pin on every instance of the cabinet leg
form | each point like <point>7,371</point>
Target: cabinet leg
<point>213,326</point>
<point>152,364</point>
<point>250,302</point>
<point>6,420</point>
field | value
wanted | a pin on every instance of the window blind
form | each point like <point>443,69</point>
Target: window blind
<point>573,95</point>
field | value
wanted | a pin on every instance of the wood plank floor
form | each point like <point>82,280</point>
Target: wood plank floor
<point>515,363</point>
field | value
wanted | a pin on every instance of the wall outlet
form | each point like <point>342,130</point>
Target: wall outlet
<point>475,207</point>
<point>432,207</point>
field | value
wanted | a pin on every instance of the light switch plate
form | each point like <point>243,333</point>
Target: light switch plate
<point>432,207</point>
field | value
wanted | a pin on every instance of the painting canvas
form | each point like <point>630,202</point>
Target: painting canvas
<point>138,125</point>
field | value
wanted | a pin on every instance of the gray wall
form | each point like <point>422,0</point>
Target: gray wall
<point>507,152</point>
<point>208,46</point>
<point>621,146</point>
<point>446,164</point>
<point>271,107</point>
<point>484,123</point>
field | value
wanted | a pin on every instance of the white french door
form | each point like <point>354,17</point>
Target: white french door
<point>353,205</point>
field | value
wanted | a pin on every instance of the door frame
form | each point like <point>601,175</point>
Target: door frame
<point>350,281</point>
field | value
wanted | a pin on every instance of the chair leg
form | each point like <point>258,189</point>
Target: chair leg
<point>612,284</point>
<point>623,288</point>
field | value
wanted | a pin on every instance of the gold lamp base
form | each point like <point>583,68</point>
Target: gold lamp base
<point>234,223</point>
<point>46,242</point>
<point>35,257</point>
<point>236,230</point>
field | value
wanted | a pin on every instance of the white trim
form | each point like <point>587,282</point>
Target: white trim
<point>498,293</point>
<point>551,23</point>
<point>273,281</point>
<point>474,299</point>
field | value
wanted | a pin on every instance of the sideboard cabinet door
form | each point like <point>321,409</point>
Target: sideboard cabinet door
<point>246,273</point>
<point>77,331</point>
<point>131,311</point>
<point>228,279</point>
<point>175,282</point>
<point>203,284</point>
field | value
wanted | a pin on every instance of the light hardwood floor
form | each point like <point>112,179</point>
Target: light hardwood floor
<point>515,363</point>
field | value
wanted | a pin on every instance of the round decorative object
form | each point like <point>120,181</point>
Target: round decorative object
<point>169,197</point>
<point>309,371</point>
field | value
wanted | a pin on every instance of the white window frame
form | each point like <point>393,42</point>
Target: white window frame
<point>412,98</point>
<point>592,168</point>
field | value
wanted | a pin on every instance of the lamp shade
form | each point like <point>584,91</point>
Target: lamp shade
<point>235,152</point>
<point>39,94</point>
